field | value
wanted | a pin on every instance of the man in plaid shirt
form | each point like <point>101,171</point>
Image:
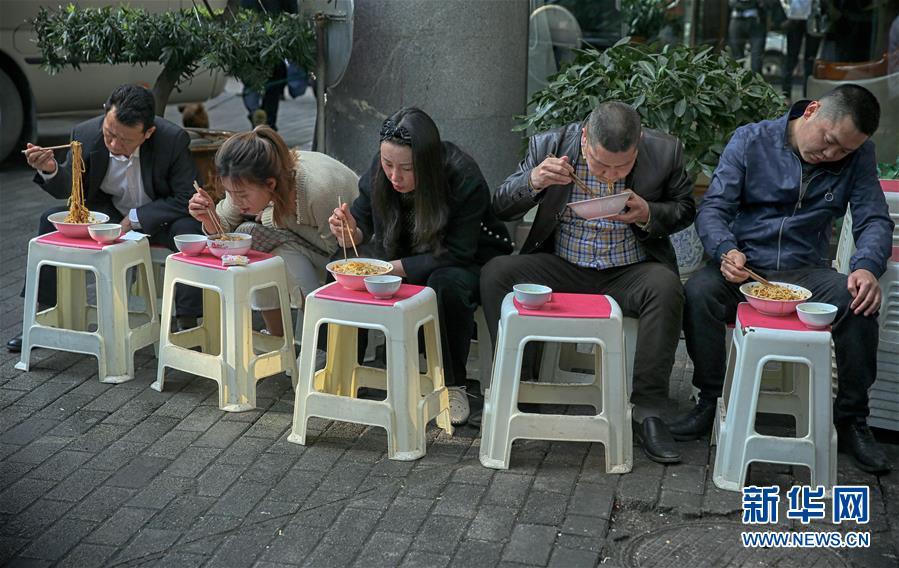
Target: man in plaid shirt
<point>627,256</point>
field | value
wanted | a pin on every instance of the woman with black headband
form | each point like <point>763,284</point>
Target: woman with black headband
<point>424,206</point>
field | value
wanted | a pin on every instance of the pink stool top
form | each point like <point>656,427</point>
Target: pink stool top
<point>748,316</point>
<point>890,185</point>
<point>571,306</point>
<point>208,260</point>
<point>58,239</point>
<point>338,293</point>
<point>895,255</point>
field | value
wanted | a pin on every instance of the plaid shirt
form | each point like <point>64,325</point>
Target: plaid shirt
<point>600,243</point>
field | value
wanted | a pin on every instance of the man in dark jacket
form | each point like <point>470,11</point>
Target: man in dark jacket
<point>771,204</point>
<point>627,256</point>
<point>137,169</point>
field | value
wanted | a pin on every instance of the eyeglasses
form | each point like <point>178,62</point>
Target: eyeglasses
<point>390,131</point>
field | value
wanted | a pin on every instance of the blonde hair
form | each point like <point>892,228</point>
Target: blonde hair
<point>255,157</point>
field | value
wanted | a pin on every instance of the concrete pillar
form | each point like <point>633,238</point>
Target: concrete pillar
<point>464,62</point>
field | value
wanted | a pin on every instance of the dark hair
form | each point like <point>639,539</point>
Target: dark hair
<point>854,101</point>
<point>414,128</point>
<point>256,156</point>
<point>133,105</point>
<point>614,125</point>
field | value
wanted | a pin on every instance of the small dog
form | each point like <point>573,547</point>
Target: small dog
<point>194,115</point>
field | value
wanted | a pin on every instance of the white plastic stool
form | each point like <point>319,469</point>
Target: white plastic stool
<point>232,354</point>
<point>504,422</point>
<point>413,398</point>
<point>65,327</point>
<point>560,359</point>
<point>485,350</point>
<point>739,444</point>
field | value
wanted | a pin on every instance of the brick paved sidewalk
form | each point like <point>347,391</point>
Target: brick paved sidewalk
<point>121,475</point>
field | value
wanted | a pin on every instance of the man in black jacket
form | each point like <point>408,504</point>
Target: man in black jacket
<point>627,256</point>
<point>138,170</point>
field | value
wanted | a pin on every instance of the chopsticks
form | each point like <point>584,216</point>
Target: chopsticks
<point>60,147</point>
<point>213,216</point>
<point>756,277</point>
<point>578,181</point>
<point>347,229</point>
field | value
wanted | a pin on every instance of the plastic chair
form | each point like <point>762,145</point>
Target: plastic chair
<point>65,327</point>
<point>758,339</point>
<point>560,360</point>
<point>232,354</point>
<point>504,422</point>
<point>413,398</point>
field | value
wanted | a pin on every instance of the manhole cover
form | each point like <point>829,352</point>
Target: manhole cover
<point>716,544</point>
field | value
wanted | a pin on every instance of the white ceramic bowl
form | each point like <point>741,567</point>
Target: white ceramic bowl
<point>774,307</point>
<point>190,245</point>
<point>532,296</point>
<point>600,207</point>
<point>382,287</point>
<point>816,315</point>
<point>241,244</point>
<point>75,230</point>
<point>354,282</point>
<point>105,232</point>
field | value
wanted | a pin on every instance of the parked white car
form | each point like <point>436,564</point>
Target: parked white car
<point>27,91</point>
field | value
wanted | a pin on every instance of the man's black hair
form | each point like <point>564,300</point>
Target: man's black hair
<point>134,105</point>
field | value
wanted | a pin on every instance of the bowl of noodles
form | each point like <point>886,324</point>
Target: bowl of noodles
<point>64,224</point>
<point>229,243</point>
<point>351,273</point>
<point>779,299</point>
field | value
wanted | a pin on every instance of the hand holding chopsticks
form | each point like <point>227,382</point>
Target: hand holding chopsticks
<point>210,213</point>
<point>345,228</point>
<point>577,181</point>
<point>727,260</point>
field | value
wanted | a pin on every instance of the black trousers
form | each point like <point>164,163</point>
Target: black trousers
<point>188,299</point>
<point>712,302</point>
<point>741,30</point>
<point>795,31</point>
<point>648,290</point>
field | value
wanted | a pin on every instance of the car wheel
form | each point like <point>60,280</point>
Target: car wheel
<point>11,115</point>
<point>772,63</point>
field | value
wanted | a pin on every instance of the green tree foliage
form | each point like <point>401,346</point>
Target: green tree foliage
<point>245,44</point>
<point>695,94</point>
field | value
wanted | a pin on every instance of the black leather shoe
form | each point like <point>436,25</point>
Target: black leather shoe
<point>856,439</point>
<point>696,423</point>
<point>14,345</point>
<point>656,440</point>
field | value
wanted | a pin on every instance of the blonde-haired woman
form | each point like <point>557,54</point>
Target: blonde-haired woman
<point>283,198</point>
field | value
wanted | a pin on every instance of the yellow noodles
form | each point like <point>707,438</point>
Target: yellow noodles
<point>774,292</point>
<point>78,212</point>
<point>356,268</point>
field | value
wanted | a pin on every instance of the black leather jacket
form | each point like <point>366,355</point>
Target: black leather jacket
<point>658,176</point>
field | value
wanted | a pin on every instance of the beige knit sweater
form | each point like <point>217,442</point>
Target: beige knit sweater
<point>320,181</point>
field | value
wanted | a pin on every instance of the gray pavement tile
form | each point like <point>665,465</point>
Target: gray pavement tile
<point>556,478</point>
<point>54,543</point>
<point>134,411</point>
<point>492,523</point>
<point>181,513</point>
<point>240,499</point>
<point>27,431</point>
<point>87,556</point>
<point>61,465</point>
<point>508,489</point>
<point>292,544</point>
<point>543,508</point>
<point>192,461</point>
<point>285,448</point>
<point>329,554</point>
<point>179,560</point>
<point>34,520</point>
<point>44,394</point>
<point>200,419</point>
<point>7,450</point>
<point>321,508</point>
<point>638,491</point>
<point>580,525</point>
<point>207,534</point>
<point>112,400</point>
<point>116,455</point>
<point>353,526</point>
<point>268,469</point>
<point>12,416</point>
<point>320,456</point>
<point>459,500</point>
<point>270,425</point>
<point>406,514</point>
<point>221,434</point>
<point>473,473</point>
<point>77,424</point>
<point>272,513</point>
<point>572,558</point>
<point>151,430</point>
<point>121,526</point>
<point>9,546</point>
<point>687,478</point>
<point>11,471</point>
<point>392,468</point>
<point>78,484</point>
<point>139,472</point>
<point>297,484</point>
<point>148,545</point>
<point>241,549</point>
<point>346,479</point>
<point>101,504</point>
<point>593,544</point>
<point>64,406</point>
<point>161,490</point>
<point>720,502</point>
<point>376,493</point>
<point>180,406</point>
<point>530,544</point>
<point>477,553</point>
<point>383,549</point>
<point>440,533</point>
<point>217,478</point>
<point>98,438</point>
<point>18,496</point>
<point>9,396</point>
<point>681,502</point>
<point>264,564</point>
<point>169,444</point>
<point>425,559</point>
<point>427,482</point>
